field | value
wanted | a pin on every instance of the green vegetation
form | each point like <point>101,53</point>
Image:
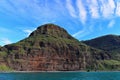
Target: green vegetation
<point>108,43</point>
<point>3,67</point>
<point>3,53</point>
<point>53,40</point>
<point>111,64</point>
<point>104,65</point>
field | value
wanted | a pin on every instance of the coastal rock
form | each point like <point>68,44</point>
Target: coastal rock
<point>51,48</point>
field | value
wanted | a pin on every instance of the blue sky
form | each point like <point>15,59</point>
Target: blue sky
<point>83,19</point>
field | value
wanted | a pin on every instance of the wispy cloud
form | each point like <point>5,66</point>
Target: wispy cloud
<point>93,6</point>
<point>107,8</point>
<point>118,9</point>
<point>41,9</point>
<point>111,24</point>
<point>81,34</point>
<point>28,31</point>
<point>45,11</point>
<point>29,9</point>
<point>5,41</point>
<point>85,31</point>
<point>82,11</point>
<point>71,8</point>
<point>78,33</point>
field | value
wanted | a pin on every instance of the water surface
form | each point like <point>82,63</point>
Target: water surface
<point>61,76</point>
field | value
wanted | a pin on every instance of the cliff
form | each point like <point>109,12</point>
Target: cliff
<point>51,48</point>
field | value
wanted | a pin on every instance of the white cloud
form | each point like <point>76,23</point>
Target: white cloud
<point>107,8</point>
<point>93,6</point>
<point>81,34</point>
<point>31,9</point>
<point>85,31</point>
<point>82,11</point>
<point>118,9</point>
<point>71,8</point>
<point>111,24</point>
<point>28,31</point>
<point>79,9</point>
<point>78,33</point>
<point>5,41</point>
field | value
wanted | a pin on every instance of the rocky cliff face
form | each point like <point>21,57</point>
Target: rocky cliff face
<point>51,48</point>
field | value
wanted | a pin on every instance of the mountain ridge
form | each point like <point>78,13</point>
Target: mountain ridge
<point>110,43</point>
<point>51,48</point>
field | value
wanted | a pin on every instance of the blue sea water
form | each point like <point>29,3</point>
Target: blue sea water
<point>61,76</point>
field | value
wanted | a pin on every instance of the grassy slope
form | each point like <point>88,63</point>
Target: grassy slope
<point>110,43</point>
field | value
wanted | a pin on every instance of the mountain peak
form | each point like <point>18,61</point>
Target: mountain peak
<point>51,48</point>
<point>51,30</point>
<point>50,26</point>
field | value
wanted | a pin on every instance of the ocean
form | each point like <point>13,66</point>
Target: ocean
<point>60,76</point>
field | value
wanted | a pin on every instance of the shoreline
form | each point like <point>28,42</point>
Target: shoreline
<point>49,71</point>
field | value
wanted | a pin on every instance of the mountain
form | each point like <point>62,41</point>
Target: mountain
<point>51,48</point>
<point>109,43</point>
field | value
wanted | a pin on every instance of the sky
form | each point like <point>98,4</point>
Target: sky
<point>83,19</point>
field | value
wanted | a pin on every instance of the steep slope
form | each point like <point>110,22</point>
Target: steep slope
<point>110,43</point>
<point>51,48</point>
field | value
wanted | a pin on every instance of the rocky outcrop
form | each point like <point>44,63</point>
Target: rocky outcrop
<point>51,48</point>
<point>51,30</point>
